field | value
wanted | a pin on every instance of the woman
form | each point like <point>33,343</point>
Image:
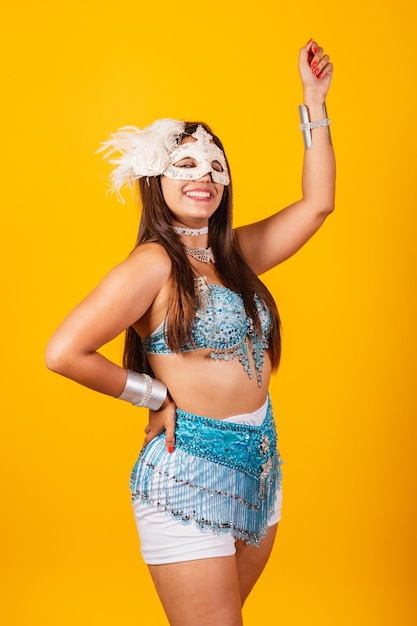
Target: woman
<point>202,340</point>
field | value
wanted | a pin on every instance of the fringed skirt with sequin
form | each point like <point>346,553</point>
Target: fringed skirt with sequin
<point>222,476</point>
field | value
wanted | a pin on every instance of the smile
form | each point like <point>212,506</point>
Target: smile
<point>198,194</point>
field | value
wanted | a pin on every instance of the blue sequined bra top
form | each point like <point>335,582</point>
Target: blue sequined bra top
<point>222,325</point>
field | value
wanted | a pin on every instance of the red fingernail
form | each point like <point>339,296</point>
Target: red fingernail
<point>315,49</point>
<point>316,71</point>
<point>170,449</point>
<point>319,75</point>
<point>313,65</point>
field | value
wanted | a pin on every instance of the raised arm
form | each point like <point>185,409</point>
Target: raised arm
<point>270,241</point>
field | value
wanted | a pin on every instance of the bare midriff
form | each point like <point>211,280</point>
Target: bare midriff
<point>210,387</point>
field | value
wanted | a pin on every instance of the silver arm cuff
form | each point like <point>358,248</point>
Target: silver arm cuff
<point>306,125</point>
<point>142,390</point>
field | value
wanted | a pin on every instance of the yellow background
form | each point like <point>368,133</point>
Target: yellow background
<point>345,393</point>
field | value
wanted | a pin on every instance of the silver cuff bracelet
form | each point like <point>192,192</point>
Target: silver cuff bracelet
<point>306,125</point>
<point>142,390</point>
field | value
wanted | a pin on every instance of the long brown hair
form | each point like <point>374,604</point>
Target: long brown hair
<point>234,272</point>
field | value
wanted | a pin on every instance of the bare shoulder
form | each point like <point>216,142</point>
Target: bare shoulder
<point>153,257</point>
<point>148,263</point>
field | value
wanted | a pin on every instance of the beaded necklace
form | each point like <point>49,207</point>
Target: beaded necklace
<point>180,230</point>
<point>205,255</point>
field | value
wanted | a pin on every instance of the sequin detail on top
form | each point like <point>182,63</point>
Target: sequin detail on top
<point>222,325</point>
<point>222,476</point>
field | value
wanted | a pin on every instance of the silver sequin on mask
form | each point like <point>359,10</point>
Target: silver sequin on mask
<point>209,158</point>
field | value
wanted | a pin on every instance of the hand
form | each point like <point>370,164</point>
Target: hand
<point>162,420</point>
<point>315,71</point>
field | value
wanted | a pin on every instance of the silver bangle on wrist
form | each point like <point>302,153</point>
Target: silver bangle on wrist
<point>142,390</point>
<point>306,125</point>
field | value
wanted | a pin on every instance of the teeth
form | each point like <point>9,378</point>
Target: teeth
<point>198,194</point>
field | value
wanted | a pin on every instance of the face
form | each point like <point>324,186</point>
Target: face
<point>191,184</point>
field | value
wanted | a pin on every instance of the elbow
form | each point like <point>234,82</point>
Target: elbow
<point>56,357</point>
<point>328,209</point>
<point>53,359</point>
<point>320,207</point>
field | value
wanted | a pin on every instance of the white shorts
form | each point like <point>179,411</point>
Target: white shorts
<point>166,540</point>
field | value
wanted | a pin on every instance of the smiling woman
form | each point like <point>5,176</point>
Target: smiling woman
<point>202,339</point>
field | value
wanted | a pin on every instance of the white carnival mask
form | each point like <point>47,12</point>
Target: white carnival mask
<point>194,159</point>
<point>154,151</point>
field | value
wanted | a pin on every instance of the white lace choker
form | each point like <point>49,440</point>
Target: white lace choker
<point>205,255</point>
<point>180,230</point>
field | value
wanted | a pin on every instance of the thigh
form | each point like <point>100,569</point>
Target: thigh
<point>203,592</point>
<point>251,561</point>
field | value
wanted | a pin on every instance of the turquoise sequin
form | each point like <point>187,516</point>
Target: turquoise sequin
<point>222,476</point>
<point>242,447</point>
<point>223,326</point>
